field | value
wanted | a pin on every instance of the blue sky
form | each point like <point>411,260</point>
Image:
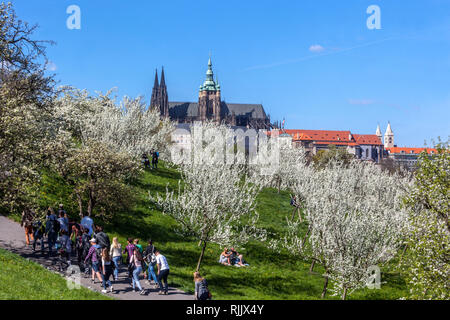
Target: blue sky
<point>314,63</point>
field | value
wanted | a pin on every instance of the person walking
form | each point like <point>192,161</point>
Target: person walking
<point>116,254</point>
<point>27,223</point>
<point>151,260</point>
<point>94,256</point>
<point>163,272</point>
<point>201,288</point>
<point>102,238</point>
<point>63,222</point>
<point>146,161</point>
<point>88,223</point>
<point>136,261</point>
<point>85,244</point>
<point>137,245</point>
<point>51,229</point>
<point>129,249</point>
<point>155,157</point>
<point>65,249</point>
<point>39,232</point>
<point>107,270</point>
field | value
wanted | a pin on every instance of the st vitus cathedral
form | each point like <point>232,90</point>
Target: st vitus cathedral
<point>209,106</point>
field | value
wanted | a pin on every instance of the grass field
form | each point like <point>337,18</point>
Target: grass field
<point>270,275</point>
<point>21,279</point>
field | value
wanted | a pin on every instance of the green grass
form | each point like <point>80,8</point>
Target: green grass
<point>21,279</point>
<point>270,275</point>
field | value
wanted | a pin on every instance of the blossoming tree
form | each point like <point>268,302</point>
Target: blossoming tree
<point>355,221</point>
<point>215,203</point>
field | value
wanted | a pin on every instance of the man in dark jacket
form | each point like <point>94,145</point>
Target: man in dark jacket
<point>102,238</point>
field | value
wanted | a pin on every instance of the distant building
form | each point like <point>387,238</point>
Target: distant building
<point>408,157</point>
<point>388,137</point>
<point>209,106</point>
<point>363,146</point>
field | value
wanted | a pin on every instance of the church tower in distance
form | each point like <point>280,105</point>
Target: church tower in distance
<point>389,137</point>
<point>160,98</point>
<point>209,98</point>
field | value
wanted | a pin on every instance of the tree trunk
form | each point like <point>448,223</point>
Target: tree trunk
<point>306,236</point>
<point>325,286</point>
<point>91,203</point>
<point>311,269</point>
<point>299,215</point>
<point>80,204</point>
<point>201,256</point>
<point>344,294</point>
<point>403,253</point>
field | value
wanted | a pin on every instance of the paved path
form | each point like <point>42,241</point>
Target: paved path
<point>12,238</point>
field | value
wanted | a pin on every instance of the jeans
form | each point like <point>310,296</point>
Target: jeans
<point>52,237</point>
<point>116,261</point>
<point>151,274</point>
<point>105,277</point>
<point>38,236</point>
<point>163,274</point>
<point>136,274</point>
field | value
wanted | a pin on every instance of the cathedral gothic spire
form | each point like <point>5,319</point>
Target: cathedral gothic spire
<point>160,98</point>
<point>164,98</point>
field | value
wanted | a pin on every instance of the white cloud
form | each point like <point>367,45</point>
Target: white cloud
<point>361,102</point>
<point>316,48</point>
<point>51,66</point>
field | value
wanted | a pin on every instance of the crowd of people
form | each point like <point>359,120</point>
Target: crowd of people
<point>232,258</point>
<point>96,256</point>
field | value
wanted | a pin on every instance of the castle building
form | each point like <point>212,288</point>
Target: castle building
<point>367,147</point>
<point>407,158</point>
<point>209,106</point>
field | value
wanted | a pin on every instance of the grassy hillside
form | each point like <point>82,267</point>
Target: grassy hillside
<point>21,279</point>
<point>270,275</point>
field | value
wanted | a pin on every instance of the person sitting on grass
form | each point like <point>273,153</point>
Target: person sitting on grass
<point>233,257</point>
<point>224,257</point>
<point>241,262</point>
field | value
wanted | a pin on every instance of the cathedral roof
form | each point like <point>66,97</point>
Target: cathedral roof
<point>181,110</point>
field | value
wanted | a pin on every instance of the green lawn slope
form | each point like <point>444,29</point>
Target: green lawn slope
<point>21,279</point>
<point>271,275</point>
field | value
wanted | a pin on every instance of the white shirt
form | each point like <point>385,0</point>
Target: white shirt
<point>116,252</point>
<point>87,223</point>
<point>162,262</point>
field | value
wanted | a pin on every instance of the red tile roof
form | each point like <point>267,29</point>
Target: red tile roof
<point>371,139</point>
<point>410,150</point>
<point>320,135</point>
<point>328,137</point>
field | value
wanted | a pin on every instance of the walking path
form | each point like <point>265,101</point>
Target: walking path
<point>12,238</point>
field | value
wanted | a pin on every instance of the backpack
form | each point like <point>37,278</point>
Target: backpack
<point>203,291</point>
<point>56,226</point>
<point>53,226</point>
<point>85,241</point>
<point>98,251</point>
<point>79,243</point>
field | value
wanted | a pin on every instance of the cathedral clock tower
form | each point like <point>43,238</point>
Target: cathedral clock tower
<point>209,97</point>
